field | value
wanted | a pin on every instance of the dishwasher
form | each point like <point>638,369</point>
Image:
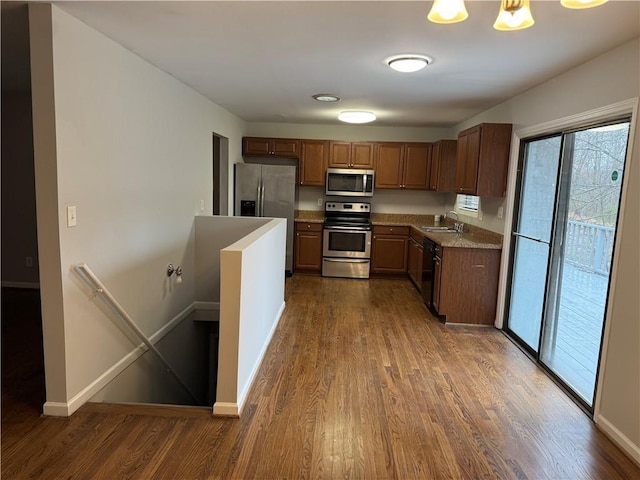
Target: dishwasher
<point>428,271</point>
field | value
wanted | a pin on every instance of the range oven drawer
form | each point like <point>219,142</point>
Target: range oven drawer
<point>345,267</point>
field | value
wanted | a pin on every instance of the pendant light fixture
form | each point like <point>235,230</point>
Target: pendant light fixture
<point>448,11</point>
<point>514,15</point>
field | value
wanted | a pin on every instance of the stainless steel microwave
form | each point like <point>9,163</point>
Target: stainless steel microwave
<point>349,182</point>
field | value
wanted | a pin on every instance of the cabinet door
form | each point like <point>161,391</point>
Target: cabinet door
<point>340,154</point>
<point>256,146</point>
<point>389,254</point>
<point>437,279</point>
<point>415,263</point>
<point>493,159</point>
<point>467,161</point>
<point>362,155</point>
<point>435,166</point>
<point>417,166</point>
<point>308,248</point>
<point>285,147</point>
<point>389,165</point>
<point>443,166</point>
<point>313,162</point>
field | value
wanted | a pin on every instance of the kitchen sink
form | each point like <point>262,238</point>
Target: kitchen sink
<point>438,229</point>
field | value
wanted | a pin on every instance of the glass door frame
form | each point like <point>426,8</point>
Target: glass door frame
<point>620,112</point>
<point>517,198</point>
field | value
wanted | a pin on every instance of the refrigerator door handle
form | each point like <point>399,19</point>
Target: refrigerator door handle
<point>261,197</point>
<point>258,198</point>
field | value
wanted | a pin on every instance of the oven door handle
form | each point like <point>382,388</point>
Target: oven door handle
<point>344,260</point>
<point>353,229</point>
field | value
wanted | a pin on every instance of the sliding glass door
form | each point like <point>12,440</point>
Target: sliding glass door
<point>562,243</point>
<point>532,238</point>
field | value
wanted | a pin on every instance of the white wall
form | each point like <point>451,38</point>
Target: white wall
<point>252,293</point>
<point>605,80</point>
<point>131,147</point>
<point>214,233</point>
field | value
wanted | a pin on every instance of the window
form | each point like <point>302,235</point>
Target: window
<point>468,205</point>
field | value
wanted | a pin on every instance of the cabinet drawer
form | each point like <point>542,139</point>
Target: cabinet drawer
<point>308,227</point>
<point>390,230</point>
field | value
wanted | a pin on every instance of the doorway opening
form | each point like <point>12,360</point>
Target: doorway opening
<point>220,175</point>
<point>567,201</point>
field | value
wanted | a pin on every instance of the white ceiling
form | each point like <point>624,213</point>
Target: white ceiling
<point>264,60</point>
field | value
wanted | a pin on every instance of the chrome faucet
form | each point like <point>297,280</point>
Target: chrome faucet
<point>458,225</point>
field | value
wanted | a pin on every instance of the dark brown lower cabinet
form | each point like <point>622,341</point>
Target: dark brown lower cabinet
<point>415,261</point>
<point>308,248</point>
<point>465,287</point>
<point>389,249</point>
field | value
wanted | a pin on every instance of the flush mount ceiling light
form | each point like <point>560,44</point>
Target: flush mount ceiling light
<point>408,63</point>
<point>326,97</point>
<point>356,116</point>
<point>513,14</point>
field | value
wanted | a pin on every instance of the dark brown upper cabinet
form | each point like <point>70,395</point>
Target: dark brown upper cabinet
<point>483,160</point>
<point>403,165</point>
<point>267,147</point>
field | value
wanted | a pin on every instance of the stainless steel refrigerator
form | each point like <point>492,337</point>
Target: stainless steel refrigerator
<point>267,191</point>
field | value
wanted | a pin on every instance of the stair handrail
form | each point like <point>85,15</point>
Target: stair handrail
<point>99,289</point>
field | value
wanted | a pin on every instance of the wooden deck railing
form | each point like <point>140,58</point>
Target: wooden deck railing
<point>589,246</point>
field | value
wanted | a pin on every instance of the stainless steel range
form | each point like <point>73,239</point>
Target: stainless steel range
<point>346,243</point>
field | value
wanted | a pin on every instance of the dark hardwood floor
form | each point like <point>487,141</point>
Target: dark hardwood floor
<point>359,382</point>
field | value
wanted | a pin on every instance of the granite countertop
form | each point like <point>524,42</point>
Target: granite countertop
<point>473,237</point>
<point>309,216</point>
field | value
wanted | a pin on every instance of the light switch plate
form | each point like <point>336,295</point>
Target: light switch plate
<point>72,219</point>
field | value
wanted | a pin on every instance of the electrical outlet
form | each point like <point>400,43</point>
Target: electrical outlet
<point>72,218</point>
<point>202,205</point>
<point>500,212</point>
<point>320,202</point>
<point>28,261</point>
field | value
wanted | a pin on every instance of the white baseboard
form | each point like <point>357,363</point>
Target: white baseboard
<point>29,285</point>
<point>56,409</point>
<point>243,395</point>
<point>619,438</point>
<point>67,409</point>
<point>226,409</point>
